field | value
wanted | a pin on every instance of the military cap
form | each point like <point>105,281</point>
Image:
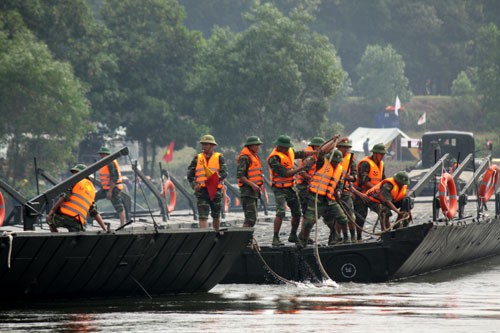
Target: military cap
<point>379,148</point>
<point>78,168</point>
<point>253,140</point>
<point>402,178</point>
<point>345,143</point>
<point>104,150</point>
<point>283,141</point>
<point>208,139</point>
<point>317,141</point>
<point>337,156</point>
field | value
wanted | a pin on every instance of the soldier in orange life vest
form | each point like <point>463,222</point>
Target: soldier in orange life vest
<point>386,196</point>
<point>250,180</point>
<point>370,172</point>
<point>71,210</point>
<point>304,177</point>
<point>324,190</point>
<point>282,172</point>
<point>112,187</point>
<point>349,174</point>
<point>212,162</point>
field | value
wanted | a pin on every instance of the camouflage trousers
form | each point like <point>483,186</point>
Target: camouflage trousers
<point>286,196</point>
<point>116,198</point>
<point>249,205</point>
<point>329,210</point>
<point>64,221</point>
<point>206,206</point>
<point>303,196</point>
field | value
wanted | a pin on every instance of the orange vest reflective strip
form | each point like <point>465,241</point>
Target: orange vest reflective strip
<point>106,179</point>
<point>81,198</point>
<point>376,171</point>
<point>325,180</point>
<point>212,164</point>
<point>254,171</point>
<point>311,171</point>
<point>286,161</point>
<point>397,193</point>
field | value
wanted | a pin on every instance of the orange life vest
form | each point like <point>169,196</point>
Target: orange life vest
<point>254,171</point>
<point>325,180</point>
<point>106,178</point>
<point>397,193</point>
<point>300,178</point>
<point>212,164</point>
<point>81,198</point>
<point>375,174</point>
<point>286,161</point>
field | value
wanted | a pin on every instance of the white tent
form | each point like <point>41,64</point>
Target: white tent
<point>390,137</point>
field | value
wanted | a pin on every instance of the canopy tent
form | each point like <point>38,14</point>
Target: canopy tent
<point>390,137</point>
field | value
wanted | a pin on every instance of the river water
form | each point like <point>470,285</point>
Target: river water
<point>460,299</point>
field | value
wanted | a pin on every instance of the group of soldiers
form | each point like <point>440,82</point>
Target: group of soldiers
<point>327,182</point>
<point>73,206</point>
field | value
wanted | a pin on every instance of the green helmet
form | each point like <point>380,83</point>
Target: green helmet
<point>337,156</point>
<point>78,168</point>
<point>345,143</point>
<point>284,141</point>
<point>316,141</point>
<point>104,150</point>
<point>208,139</point>
<point>253,140</point>
<point>379,148</point>
<point>401,178</point>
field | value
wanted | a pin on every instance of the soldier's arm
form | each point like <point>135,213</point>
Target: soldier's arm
<point>223,168</point>
<point>191,172</point>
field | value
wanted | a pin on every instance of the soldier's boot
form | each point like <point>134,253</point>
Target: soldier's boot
<point>292,238</point>
<point>277,242</point>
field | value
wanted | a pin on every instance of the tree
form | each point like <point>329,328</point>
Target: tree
<point>275,77</point>
<point>487,58</point>
<point>381,77</point>
<point>44,109</point>
<point>155,51</point>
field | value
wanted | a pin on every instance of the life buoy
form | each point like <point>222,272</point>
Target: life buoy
<point>448,199</point>
<point>488,183</point>
<point>2,209</point>
<point>169,194</point>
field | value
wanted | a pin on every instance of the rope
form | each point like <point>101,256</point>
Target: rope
<point>8,234</point>
<point>255,246</point>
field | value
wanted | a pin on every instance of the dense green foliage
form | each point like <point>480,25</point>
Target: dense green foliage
<point>176,69</point>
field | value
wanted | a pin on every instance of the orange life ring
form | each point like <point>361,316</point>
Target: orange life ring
<point>2,209</point>
<point>487,186</point>
<point>448,198</point>
<point>170,194</point>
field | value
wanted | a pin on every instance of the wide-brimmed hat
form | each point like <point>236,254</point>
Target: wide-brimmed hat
<point>78,168</point>
<point>208,139</point>
<point>253,140</point>
<point>379,148</point>
<point>345,143</point>
<point>104,150</point>
<point>316,141</point>
<point>284,141</point>
<point>402,178</point>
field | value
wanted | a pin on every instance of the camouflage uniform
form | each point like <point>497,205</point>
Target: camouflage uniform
<point>285,196</point>
<point>248,196</point>
<point>204,204</point>
<point>119,200</point>
<point>60,220</point>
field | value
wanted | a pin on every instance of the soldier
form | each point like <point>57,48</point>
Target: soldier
<point>325,187</point>
<point>112,187</point>
<point>73,206</point>
<point>282,171</point>
<point>370,172</point>
<point>250,179</point>
<point>348,176</point>
<point>387,196</point>
<point>202,167</point>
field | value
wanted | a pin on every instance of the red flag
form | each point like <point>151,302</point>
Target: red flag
<point>212,183</point>
<point>169,155</point>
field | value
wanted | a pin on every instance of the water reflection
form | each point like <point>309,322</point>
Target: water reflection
<point>464,299</point>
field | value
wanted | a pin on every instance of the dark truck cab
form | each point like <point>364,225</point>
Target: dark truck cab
<point>435,144</point>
